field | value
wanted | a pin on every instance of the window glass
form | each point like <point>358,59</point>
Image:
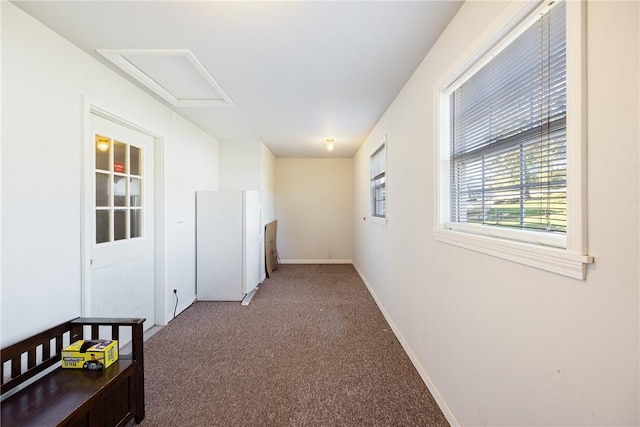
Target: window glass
<point>136,223</point>
<point>119,190</point>
<point>119,224</point>
<point>134,192</point>
<point>508,134</point>
<point>135,160</point>
<point>103,226</point>
<point>103,144</point>
<point>119,157</point>
<point>103,189</point>
<point>378,164</point>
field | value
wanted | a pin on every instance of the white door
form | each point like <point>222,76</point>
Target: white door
<point>120,223</point>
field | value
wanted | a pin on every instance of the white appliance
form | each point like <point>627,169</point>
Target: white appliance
<point>228,244</point>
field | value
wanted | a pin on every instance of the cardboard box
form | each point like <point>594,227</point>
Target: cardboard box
<point>94,355</point>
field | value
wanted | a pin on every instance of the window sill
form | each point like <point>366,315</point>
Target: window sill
<point>377,220</point>
<point>546,258</point>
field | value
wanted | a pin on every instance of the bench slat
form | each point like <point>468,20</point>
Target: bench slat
<point>31,358</point>
<point>16,366</point>
<point>46,350</point>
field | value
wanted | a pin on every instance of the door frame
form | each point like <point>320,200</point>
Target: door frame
<point>92,107</point>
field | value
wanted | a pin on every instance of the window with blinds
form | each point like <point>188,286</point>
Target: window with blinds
<point>508,162</point>
<point>378,164</point>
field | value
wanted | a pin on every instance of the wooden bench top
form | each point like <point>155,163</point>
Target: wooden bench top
<point>52,399</point>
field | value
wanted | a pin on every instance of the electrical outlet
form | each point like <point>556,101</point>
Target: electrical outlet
<point>306,250</point>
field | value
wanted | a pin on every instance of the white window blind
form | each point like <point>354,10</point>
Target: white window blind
<point>508,134</point>
<point>378,182</point>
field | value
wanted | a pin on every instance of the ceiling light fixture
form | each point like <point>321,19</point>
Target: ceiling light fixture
<point>102,143</point>
<point>330,144</point>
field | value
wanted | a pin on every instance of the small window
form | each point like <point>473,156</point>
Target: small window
<point>378,182</point>
<point>504,147</point>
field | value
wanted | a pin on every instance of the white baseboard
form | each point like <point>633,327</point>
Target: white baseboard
<point>316,261</point>
<point>448,413</point>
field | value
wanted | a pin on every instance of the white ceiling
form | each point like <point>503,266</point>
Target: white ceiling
<point>298,72</point>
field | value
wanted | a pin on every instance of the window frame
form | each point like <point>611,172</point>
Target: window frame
<point>562,255</point>
<point>378,219</point>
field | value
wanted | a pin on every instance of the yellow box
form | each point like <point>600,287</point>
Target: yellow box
<point>94,355</point>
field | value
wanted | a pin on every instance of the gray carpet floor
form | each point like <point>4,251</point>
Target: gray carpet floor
<point>312,349</point>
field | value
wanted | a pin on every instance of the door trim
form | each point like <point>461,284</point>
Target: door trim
<point>92,107</point>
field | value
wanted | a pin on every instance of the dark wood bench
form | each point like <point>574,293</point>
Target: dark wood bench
<point>73,397</point>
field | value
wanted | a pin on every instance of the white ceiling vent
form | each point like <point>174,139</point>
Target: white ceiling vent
<point>174,74</point>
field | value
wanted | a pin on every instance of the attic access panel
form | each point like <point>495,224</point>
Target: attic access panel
<point>176,75</point>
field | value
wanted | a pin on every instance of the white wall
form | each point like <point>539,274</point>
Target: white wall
<point>268,185</point>
<point>45,81</point>
<point>191,164</point>
<point>250,165</point>
<point>500,343</point>
<point>240,165</point>
<point>314,207</point>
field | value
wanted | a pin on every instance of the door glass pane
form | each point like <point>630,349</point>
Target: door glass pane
<point>134,192</point>
<point>102,189</point>
<point>102,152</point>
<point>119,190</point>
<point>119,224</point>
<point>136,223</point>
<point>119,157</point>
<point>102,226</point>
<point>135,161</point>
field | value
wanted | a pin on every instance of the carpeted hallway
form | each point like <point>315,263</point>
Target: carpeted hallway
<point>312,349</point>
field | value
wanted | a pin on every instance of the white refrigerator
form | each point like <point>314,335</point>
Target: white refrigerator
<point>228,238</point>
